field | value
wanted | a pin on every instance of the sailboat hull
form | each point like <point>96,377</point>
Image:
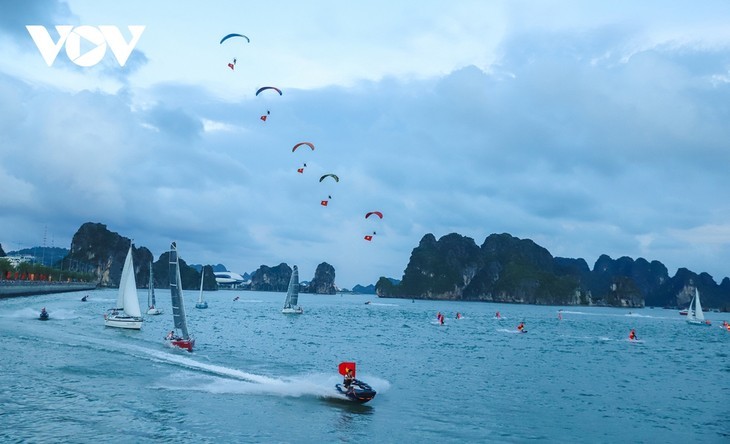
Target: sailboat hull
<point>123,321</point>
<point>201,305</point>
<point>293,310</point>
<point>185,344</point>
<point>154,311</point>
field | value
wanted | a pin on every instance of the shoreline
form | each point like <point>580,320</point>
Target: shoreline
<point>9,289</point>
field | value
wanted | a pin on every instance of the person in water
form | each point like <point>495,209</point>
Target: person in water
<point>632,335</point>
<point>497,315</point>
<point>521,327</point>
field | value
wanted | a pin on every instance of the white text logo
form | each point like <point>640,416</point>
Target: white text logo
<point>98,36</point>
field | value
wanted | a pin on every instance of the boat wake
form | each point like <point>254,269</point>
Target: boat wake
<point>315,385</point>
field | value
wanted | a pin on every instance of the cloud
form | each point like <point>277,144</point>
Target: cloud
<point>588,140</point>
<point>16,15</point>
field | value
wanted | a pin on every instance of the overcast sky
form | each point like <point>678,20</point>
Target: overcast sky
<point>589,127</point>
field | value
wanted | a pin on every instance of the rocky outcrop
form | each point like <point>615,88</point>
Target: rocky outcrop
<point>271,278</point>
<point>323,281</point>
<point>508,269</point>
<point>106,250</point>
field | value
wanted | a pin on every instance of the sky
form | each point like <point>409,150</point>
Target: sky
<point>590,127</point>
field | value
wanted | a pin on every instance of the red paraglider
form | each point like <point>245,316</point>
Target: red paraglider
<point>309,144</point>
<point>369,237</point>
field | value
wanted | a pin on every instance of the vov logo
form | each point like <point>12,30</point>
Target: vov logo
<point>70,38</point>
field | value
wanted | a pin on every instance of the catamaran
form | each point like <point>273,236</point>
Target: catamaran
<point>152,310</point>
<point>183,339</point>
<point>126,313</point>
<point>292,294</point>
<point>694,312</point>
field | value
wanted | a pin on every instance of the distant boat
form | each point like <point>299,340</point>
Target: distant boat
<point>292,294</point>
<point>44,315</point>
<point>201,303</point>
<point>684,312</point>
<point>126,313</point>
<point>182,340</point>
<point>694,313</point>
<point>152,310</point>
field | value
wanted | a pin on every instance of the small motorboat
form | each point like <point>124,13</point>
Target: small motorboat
<point>44,315</point>
<point>358,391</point>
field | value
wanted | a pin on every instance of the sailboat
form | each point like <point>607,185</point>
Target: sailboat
<point>182,340</point>
<point>152,310</point>
<point>126,312</point>
<point>201,303</point>
<point>292,294</point>
<point>694,313</point>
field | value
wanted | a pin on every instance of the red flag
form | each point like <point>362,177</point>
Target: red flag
<point>231,65</point>
<point>263,118</point>
<point>345,366</point>
<point>323,203</point>
<point>300,170</point>
<point>368,238</point>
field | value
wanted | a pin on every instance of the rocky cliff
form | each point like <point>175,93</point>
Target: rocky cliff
<point>271,278</point>
<point>106,251</point>
<point>508,269</point>
<point>323,281</point>
<point>277,279</point>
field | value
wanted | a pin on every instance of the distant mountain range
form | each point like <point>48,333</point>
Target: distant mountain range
<point>503,269</point>
<point>48,256</point>
<point>508,269</point>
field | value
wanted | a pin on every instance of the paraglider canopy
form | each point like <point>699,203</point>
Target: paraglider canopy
<point>334,176</point>
<point>235,35</point>
<point>377,213</point>
<point>309,144</point>
<point>264,88</point>
<point>344,366</point>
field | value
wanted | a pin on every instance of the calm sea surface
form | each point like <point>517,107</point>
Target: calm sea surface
<point>260,376</point>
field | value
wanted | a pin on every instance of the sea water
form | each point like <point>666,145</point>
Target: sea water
<point>257,375</point>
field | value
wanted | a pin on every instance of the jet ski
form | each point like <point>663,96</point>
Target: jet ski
<point>358,391</point>
<point>44,315</point>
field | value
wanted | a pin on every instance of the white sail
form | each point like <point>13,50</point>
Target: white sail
<point>698,308</point>
<point>202,274</point>
<point>128,288</point>
<point>690,309</point>
<point>126,313</point>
